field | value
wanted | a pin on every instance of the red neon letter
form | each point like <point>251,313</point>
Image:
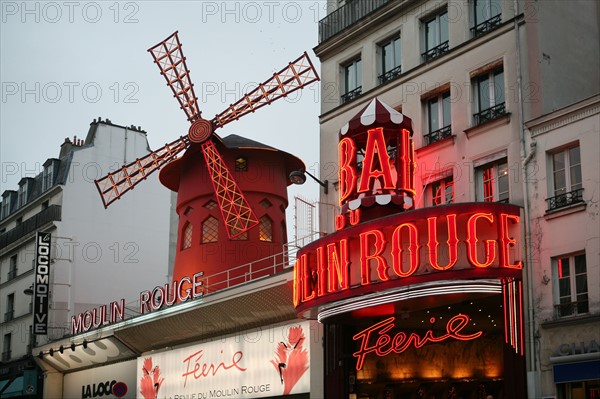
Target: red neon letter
<point>347,170</point>
<point>490,245</point>
<point>306,290</point>
<point>379,245</point>
<point>321,272</point>
<point>452,243</point>
<point>376,148</point>
<point>413,249</point>
<point>297,284</point>
<point>506,242</point>
<point>337,265</point>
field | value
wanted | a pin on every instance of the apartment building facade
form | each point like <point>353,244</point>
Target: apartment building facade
<point>503,100</point>
<point>127,242</point>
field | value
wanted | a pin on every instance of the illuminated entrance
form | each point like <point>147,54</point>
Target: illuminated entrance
<point>417,303</point>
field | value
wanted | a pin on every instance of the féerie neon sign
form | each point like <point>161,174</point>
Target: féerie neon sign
<point>377,340</point>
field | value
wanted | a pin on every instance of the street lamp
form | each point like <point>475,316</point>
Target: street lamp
<point>298,177</point>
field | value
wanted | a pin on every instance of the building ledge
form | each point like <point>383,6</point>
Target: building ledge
<point>567,210</point>
<point>438,145</point>
<point>571,321</point>
<point>489,125</point>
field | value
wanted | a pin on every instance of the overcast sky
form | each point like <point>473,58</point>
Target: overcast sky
<point>64,64</point>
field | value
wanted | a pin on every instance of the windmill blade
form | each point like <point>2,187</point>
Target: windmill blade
<point>295,76</point>
<point>112,186</point>
<point>235,210</point>
<point>171,62</point>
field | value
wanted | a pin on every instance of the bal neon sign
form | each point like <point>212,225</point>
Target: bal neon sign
<point>426,241</point>
<point>380,172</point>
<point>376,339</point>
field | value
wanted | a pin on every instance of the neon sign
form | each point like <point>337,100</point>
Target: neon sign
<point>380,171</point>
<point>377,340</point>
<point>426,241</point>
<point>176,292</point>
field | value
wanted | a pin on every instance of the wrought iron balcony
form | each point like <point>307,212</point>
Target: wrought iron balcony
<point>347,15</point>
<point>571,309</point>
<point>8,316</point>
<point>438,135</point>
<point>50,214</point>
<point>351,95</point>
<point>565,199</point>
<point>486,26</point>
<point>490,113</point>
<point>11,274</point>
<point>390,75</point>
<point>436,51</point>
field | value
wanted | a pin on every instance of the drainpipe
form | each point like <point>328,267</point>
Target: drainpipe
<point>533,369</point>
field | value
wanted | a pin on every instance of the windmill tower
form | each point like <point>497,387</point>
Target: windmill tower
<point>224,211</point>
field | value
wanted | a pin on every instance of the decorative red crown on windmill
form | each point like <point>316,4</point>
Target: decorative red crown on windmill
<point>235,210</point>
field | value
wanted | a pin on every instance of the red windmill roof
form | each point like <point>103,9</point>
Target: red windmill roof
<point>376,113</point>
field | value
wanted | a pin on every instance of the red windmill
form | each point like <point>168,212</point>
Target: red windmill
<point>237,215</point>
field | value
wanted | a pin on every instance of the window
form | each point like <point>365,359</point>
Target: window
<point>210,230</point>
<point>352,81</point>
<point>567,186</point>
<point>48,176</point>
<point>265,229</point>
<point>23,193</point>
<point>489,96</point>
<point>436,36</point>
<point>390,60</point>
<point>438,117</point>
<point>265,203</point>
<point>570,285</point>
<point>492,182</point>
<point>10,307</point>
<point>210,205</point>
<point>45,205</point>
<point>5,206</point>
<point>12,268</point>
<point>241,164</point>
<point>186,241</point>
<point>487,14</point>
<point>440,192</point>
<point>6,347</point>
<point>243,236</point>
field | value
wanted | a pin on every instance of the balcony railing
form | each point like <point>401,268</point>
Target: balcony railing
<point>490,114</point>
<point>351,95</point>
<point>571,309</point>
<point>347,15</point>
<point>486,26</point>
<point>436,51</point>
<point>438,135</point>
<point>11,274</point>
<point>8,316</point>
<point>566,199</point>
<point>50,214</point>
<point>390,75</point>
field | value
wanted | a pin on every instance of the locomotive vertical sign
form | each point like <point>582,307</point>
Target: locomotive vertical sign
<point>41,287</point>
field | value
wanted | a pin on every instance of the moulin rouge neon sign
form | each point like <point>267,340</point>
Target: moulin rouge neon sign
<point>376,339</point>
<point>426,241</point>
<point>380,237</point>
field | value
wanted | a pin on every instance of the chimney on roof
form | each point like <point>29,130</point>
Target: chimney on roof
<point>65,147</point>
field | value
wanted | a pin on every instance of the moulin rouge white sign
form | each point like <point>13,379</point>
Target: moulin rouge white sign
<point>254,364</point>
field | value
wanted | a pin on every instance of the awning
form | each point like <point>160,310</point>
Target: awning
<point>19,386</point>
<point>575,372</point>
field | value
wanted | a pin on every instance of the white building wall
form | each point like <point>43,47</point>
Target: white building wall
<point>119,251</point>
